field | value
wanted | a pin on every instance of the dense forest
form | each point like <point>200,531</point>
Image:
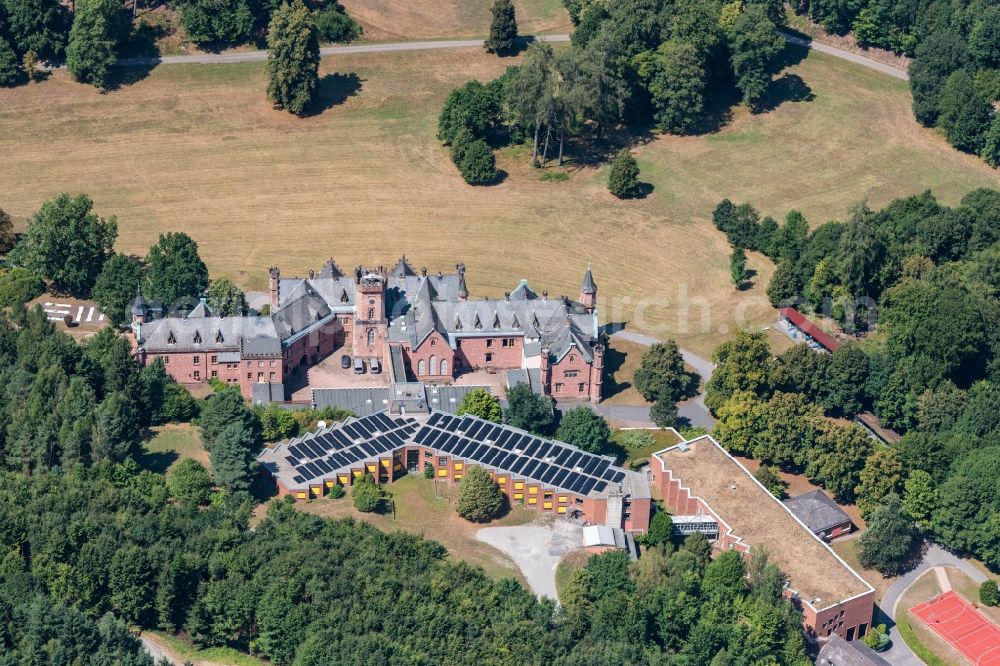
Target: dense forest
<point>920,283</point>
<point>109,542</point>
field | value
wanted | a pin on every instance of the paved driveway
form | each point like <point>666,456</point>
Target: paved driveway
<point>536,548</point>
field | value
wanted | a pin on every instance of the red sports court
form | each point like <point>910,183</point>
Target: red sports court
<point>964,627</point>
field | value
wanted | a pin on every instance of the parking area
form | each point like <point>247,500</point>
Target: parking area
<point>328,374</point>
<point>536,548</point>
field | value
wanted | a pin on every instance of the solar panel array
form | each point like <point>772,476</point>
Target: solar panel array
<point>341,447</point>
<point>516,452</point>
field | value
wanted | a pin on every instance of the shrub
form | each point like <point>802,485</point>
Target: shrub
<point>336,492</point>
<point>334,25</point>
<point>663,413</point>
<point>478,165</point>
<point>479,497</point>
<point>877,639</point>
<point>366,496</point>
<point>636,440</point>
<point>623,182</point>
<point>19,285</point>
<point>277,423</point>
<point>428,471</point>
<point>989,595</point>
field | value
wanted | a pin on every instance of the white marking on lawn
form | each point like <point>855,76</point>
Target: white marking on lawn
<point>79,313</point>
<point>90,314</point>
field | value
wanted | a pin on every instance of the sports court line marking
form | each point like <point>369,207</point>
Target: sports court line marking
<point>961,626</point>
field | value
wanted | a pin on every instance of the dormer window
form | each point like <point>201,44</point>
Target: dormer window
<point>534,322</point>
<point>496,321</point>
<point>218,337</point>
<point>343,296</point>
<point>478,324</point>
<point>171,340</point>
<point>458,324</point>
<point>515,324</point>
<point>197,337</point>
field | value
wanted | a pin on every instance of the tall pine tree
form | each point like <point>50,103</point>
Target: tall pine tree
<point>293,58</point>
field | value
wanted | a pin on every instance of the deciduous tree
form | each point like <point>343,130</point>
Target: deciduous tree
<point>189,481</point>
<point>68,244</point>
<point>114,288</point>
<point>226,299</point>
<point>527,410</point>
<point>99,26</point>
<point>176,274</point>
<point>583,427</point>
<point>480,402</point>
<point>890,543</point>
<point>754,45</point>
<point>623,179</point>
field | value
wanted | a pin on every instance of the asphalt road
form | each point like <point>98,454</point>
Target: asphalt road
<point>256,56</point>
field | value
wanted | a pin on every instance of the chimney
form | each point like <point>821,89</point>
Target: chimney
<point>506,296</point>
<point>273,275</point>
<point>423,271</point>
<point>545,295</point>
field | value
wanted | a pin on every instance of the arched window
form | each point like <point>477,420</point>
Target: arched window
<point>434,365</point>
<point>421,368</point>
<point>444,366</point>
<point>371,336</point>
<point>371,314</point>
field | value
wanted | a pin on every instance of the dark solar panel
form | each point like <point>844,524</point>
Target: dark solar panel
<point>490,455</point>
<point>324,466</point>
<point>588,485</point>
<point>617,477</point>
<point>560,477</point>
<point>313,470</point>
<point>492,433</point>
<point>463,448</point>
<point>435,417</point>
<point>530,467</point>
<point>385,422</point>
<point>599,486</point>
<point>342,440</point>
<point>447,422</point>
<point>298,479</point>
<point>450,443</point>
<point>504,436</point>
<point>368,448</point>
<point>363,428</point>
<point>577,483</point>
<point>543,450</point>
<point>601,467</point>
<point>563,456</point>
<point>352,431</point>
<point>338,460</point>
<point>607,474</point>
<point>531,448</point>
<point>574,459</point>
<point>393,439</point>
<point>478,430</point>
<point>591,464</point>
<point>549,474</point>
<point>480,451</point>
<point>310,450</point>
<point>510,443</point>
<point>519,464</point>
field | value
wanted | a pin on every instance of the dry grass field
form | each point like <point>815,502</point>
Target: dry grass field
<point>197,148</point>
<point>385,20</point>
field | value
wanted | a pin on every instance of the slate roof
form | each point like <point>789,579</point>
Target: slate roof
<point>361,401</point>
<point>839,652</point>
<point>817,511</point>
<point>588,286</point>
<point>256,335</point>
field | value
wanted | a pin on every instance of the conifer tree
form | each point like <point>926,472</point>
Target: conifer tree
<point>293,58</point>
<point>503,29</point>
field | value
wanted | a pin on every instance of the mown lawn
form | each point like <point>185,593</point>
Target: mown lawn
<point>170,444</point>
<point>426,508</point>
<point>197,148</point>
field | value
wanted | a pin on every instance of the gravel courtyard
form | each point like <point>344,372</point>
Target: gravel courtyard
<point>536,548</point>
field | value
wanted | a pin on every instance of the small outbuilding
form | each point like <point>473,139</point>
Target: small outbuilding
<point>820,514</point>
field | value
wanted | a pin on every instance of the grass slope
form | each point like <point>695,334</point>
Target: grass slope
<point>197,148</point>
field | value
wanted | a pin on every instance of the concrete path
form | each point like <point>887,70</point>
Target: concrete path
<point>536,548</point>
<point>864,61</point>
<point>935,557</point>
<point>693,410</point>
<point>256,56</point>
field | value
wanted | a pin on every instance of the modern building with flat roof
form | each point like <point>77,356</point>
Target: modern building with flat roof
<point>531,471</point>
<point>710,491</point>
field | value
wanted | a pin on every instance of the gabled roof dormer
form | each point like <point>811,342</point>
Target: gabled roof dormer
<point>171,340</point>
<point>197,337</point>
<point>219,339</point>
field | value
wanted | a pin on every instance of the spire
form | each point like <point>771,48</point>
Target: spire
<point>463,289</point>
<point>139,306</point>
<point>588,286</point>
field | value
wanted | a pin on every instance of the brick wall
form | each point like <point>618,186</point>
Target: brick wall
<point>432,352</point>
<point>569,378</point>
<point>850,619</point>
<point>473,352</point>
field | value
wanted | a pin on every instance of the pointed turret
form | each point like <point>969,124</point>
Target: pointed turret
<point>588,290</point>
<point>463,289</point>
<point>139,306</point>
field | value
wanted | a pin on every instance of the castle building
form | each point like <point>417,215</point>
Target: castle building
<point>423,325</point>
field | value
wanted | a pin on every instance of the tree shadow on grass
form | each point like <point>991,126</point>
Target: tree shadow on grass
<point>335,89</point>
<point>613,361</point>
<point>157,461</point>
<point>786,88</point>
